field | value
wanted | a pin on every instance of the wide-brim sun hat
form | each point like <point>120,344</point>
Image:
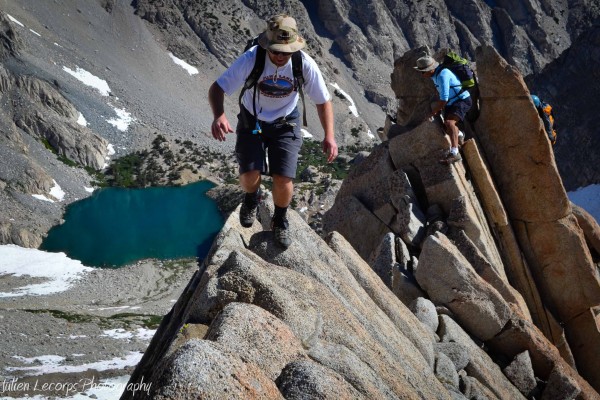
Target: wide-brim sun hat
<point>281,35</point>
<point>426,64</point>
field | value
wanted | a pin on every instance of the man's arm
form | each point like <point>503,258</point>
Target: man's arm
<point>436,107</point>
<point>325,112</point>
<point>220,125</point>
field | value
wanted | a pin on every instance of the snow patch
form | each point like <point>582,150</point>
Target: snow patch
<point>140,333</point>
<point>189,68</point>
<point>123,120</point>
<point>88,189</point>
<point>81,120</point>
<point>588,198</point>
<point>42,197</point>
<point>57,192</point>
<point>117,334</point>
<point>53,364</point>
<point>61,271</point>
<point>13,19</point>
<point>306,134</point>
<point>89,80</point>
<point>35,33</point>
<point>352,106</point>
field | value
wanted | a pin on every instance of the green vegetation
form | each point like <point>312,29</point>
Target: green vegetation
<point>61,158</point>
<point>165,164</point>
<point>70,317</point>
<point>312,154</point>
<point>124,171</point>
<point>123,320</point>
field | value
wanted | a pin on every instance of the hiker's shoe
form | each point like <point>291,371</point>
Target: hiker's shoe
<point>247,214</point>
<point>461,138</point>
<point>281,233</point>
<point>451,158</point>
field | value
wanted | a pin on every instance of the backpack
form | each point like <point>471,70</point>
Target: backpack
<point>259,65</point>
<point>461,68</point>
<point>547,116</point>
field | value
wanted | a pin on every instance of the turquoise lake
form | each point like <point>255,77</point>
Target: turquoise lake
<point>117,226</point>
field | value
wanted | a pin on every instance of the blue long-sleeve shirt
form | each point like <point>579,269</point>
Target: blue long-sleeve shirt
<point>448,85</point>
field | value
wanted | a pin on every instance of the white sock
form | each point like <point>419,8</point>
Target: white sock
<point>461,134</point>
<point>454,150</point>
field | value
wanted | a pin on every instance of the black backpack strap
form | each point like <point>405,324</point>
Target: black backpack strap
<point>252,79</point>
<point>299,81</point>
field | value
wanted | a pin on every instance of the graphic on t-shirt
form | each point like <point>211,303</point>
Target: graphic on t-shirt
<point>282,86</point>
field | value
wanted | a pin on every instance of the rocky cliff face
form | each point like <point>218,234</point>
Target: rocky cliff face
<point>370,35</point>
<point>36,118</point>
<point>355,42</point>
<point>425,266</point>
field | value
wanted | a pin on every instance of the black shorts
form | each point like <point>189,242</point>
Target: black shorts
<point>274,151</point>
<point>460,108</point>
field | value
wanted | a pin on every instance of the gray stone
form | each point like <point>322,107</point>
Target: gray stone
<point>383,259</point>
<point>389,303</point>
<point>204,369</point>
<point>449,279</point>
<point>520,373</point>
<point>458,353</point>
<point>560,386</point>
<point>425,312</point>
<point>445,370</point>
<point>492,275</point>
<point>307,379</point>
<point>256,336</point>
<point>480,365</point>
<point>475,390</point>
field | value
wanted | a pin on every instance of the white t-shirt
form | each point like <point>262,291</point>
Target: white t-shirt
<point>275,94</point>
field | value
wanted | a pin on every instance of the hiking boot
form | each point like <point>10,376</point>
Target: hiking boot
<point>451,158</point>
<point>247,214</point>
<point>281,233</point>
<point>461,138</point>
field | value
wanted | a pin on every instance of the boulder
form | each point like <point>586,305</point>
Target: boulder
<point>590,227</point>
<point>520,373</point>
<point>521,335</point>
<point>561,386</point>
<point>425,312</point>
<point>449,279</point>
<point>524,170</point>
<point>307,379</point>
<point>480,366</point>
<point>204,369</point>
<point>445,370</point>
<point>257,337</point>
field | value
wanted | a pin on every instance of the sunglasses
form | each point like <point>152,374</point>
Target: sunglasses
<point>280,53</point>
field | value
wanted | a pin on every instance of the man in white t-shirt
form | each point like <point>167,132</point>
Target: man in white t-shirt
<point>269,121</point>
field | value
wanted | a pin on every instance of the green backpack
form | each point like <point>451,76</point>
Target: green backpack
<point>460,67</point>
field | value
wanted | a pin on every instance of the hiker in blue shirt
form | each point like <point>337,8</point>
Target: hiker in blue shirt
<point>453,101</point>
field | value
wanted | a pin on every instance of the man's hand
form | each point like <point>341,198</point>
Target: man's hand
<point>330,148</point>
<point>220,127</point>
